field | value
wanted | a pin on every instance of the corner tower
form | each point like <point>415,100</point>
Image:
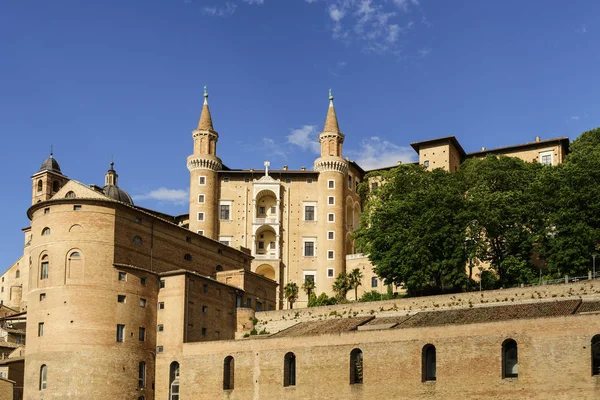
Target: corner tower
<point>333,172</point>
<point>47,181</point>
<point>203,165</point>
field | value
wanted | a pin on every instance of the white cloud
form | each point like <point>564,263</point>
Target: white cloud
<point>254,1</point>
<point>393,32</point>
<point>378,153</point>
<point>221,11</point>
<point>335,13</point>
<point>305,138</point>
<point>273,148</point>
<point>575,117</point>
<point>175,196</point>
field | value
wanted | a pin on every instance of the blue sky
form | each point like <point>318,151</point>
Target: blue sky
<point>125,78</point>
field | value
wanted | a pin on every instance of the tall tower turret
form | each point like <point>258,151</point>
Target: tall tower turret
<point>47,181</point>
<point>333,172</point>
<point>203,165</point>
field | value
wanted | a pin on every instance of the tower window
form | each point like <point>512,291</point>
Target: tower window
<point>309,249</point>
<point>202,180</point>
<point>43,376</point>
<point>121,298</point>
<point>55,186</point>
<point>331,184</point>
<point>349,182</point>
<point>46,231</point>
<point>70,195</point>
<point>187,257</point>
<point>428,363</point>
<point>224,212</point>
<point>39,187</point>
<point>174,381</point>
<point>596,355</point>
<point>289,369</point>
<point>143,303</point>
<point>161,283</point>
<point>356,367</point>
<point>142,334</point>
<point>137,240</point>
<point>122,276</point>
<point>331,217</point>
<point>44,267</point>
<point>47,210</point>
<point>330,235</point>
<point>142,375</point>
<point>120,332</point>
<point>18,274</point>
<point>309,213</point>
<point>330,272</point>
<point>228,373</point>
<point>160,327</point>
<point>309,180</point>
<point>330,254</point>
<point>510,359</point>
<point>161,305</point>
<point>200,198</point>
<point>331,200</point>
<point>200,216</point>
<point>41,329</point>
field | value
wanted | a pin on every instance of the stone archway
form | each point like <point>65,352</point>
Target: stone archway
<point>266,270</point>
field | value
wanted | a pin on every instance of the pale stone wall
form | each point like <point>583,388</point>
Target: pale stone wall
<point>14,286</point>
<point>529,152</point>
<point>6,389</point>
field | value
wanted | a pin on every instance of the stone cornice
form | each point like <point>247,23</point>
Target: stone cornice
<point>211,134</point>
<point>204,163</point>
<point>331,135</point>
<point>331,165</point>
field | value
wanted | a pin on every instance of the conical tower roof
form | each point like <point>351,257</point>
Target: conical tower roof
<point>205,123</point>
<point>331,122</point>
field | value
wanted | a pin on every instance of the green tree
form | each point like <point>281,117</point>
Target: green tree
<point>321,300</point>
<point>571,199</point>
<point>414,229</point>
<point>309,287</point>
<point>341,286</point>
<point>355,280</point>
<point>290,292</point>
<point>502,212</point>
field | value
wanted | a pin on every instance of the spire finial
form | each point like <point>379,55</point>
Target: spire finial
<point>330,95</point>
<point>112,163</point>
<point>267,165</point>
<point>51,150</point>
<point>205,92</point>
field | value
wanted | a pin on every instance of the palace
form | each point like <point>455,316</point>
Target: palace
<point>113,298</point>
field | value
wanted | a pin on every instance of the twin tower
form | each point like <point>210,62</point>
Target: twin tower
<point>297,223</point>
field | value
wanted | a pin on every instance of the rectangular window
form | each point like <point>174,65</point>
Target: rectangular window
<point>330,254</point>
<point>331,184</point>
<point>142,334</point>
<point>349,182</point>
<point>309,180</point>
<point>201,198</point>
<point>261,245</point>
<point>123,276</point>
<point>41,329</point>
<point>218,335</point>
<point>203,331</point>
<point>143,303</point>
<point>161,283</point>
<point>262,210</point>
<point>204,309</point>
<point>42,296</point>
<point>273,210</point>
<point>373,282</point>
<point>331,200</point>
<point>331,217</point>
<point>142,375</point>
<point>47,210</point>
<point>44,271</point>
<point>374,186</point>
<point>161,305</point>
<point>225,242</point>
<point>224,212</point>
<point>309,277</point>
<point>159,349</point>
<point>120,332</point>
<point>288,180</point>
<point>225,179</point>
<point>205,288</point>
<point>309,249</point>
<point>330,235</point>
<point>248,303</point>
<point>426,163</point>
<point>246,180</point>
<point>546,157</point>
<point>138,220</point>
<point>76,207</point>
<point>272,245</point>
<point>121,298</point>
<point>330,272</point>
<point>200,216</point>
<point>202,180</point>
<point>144,281</point>
<point>161,327</point>
<point>201,233</point>
<point>309,213</point>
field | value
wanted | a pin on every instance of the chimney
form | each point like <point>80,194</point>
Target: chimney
<point>285,167</point>
<point>482,148</point>
<point>303,168</point>
<point>537,139</point>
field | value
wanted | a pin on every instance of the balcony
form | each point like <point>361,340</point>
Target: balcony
<point>266,221</point>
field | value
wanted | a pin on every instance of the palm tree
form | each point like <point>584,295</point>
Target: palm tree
<point>290,292</point>
<point>354,280</point>
<point>308,286</point>
<point>341,286</point>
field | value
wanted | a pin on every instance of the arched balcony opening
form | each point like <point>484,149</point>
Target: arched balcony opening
<point>266,243</point>
<point>266,270</point>
<point>266,207</point>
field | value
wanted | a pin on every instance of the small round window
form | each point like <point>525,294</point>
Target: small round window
<point>137,240</point>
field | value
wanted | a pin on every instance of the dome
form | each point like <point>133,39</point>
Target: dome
<point>50,164</point>
<point>115,193</point>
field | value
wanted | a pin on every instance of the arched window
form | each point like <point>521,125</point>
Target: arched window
<point>74,268</point>
<point>46,231</point>
<point>75,255</point>
<point>70,195</point>
<point>596,355</point>
<point>43,376</point>
<point>187,257</point>
<point>510,359</point>
<point>219,268</point>
<point>137,240</point>
<point>228,373</point>
<point>356,367</point>
<point>142,375</point>
<point>428,363</point>
<point>39,186</point>
<point>55,186</point>
<point>44,267</point>
<point>289,369</point>
<point>18,274</point>
<point>174,381</point>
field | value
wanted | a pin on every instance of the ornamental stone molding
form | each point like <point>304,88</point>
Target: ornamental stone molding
<point>210,134</point>
<point>331,135</point>
<point>204,163</point>
<point>339,165</point>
